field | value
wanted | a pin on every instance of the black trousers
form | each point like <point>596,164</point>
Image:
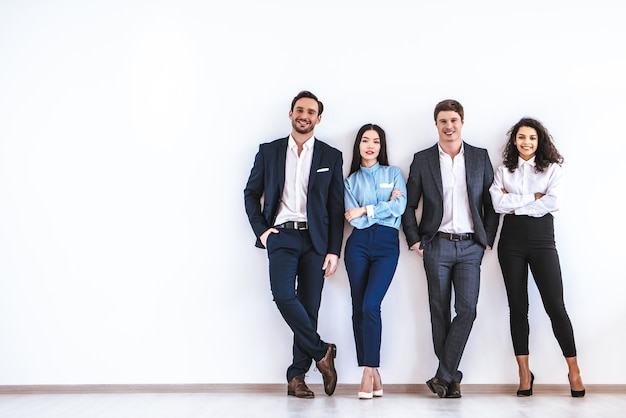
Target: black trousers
<point>527,241</point>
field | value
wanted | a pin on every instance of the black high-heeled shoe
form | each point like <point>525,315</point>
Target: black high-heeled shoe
<point>576,393</point>
<point>528,392</point>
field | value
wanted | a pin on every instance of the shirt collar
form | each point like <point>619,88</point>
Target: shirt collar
<point>372,168</point>
<point>521,162</point>
<point>308,144</point>
<point>442,152</point>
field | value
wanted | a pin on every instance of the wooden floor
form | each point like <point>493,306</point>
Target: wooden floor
<point>271,401</point>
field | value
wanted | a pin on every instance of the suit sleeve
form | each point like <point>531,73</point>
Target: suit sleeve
<point>252,195</point>
<point>335,207</point>
<point>414,193</point>
<point>491,218</point>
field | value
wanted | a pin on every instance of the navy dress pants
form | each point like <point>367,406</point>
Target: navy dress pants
<point>296,281</point>
<point>371,259</point>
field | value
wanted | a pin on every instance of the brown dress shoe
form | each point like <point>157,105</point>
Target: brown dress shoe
<point>438,386</point>
<point>326,366</point>
<point>454,390</point>
<point>296,387</point>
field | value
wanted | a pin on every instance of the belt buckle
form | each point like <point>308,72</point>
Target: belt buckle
<point>455,237</point>
<point>300,226</point>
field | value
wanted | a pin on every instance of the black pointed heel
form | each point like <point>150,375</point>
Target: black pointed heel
<point>528,392</point>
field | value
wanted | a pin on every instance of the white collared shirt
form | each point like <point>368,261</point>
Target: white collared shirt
<point>457,217</point>
<point>297,170</point>
<point>521,186</point>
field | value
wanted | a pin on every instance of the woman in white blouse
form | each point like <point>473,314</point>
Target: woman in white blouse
<point>525,189</point>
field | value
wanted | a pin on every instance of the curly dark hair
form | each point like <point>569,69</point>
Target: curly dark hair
<point>356,154</point>
<point>546,153</point>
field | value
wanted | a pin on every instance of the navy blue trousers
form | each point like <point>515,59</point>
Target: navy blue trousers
<point>527,241</point>
<point>452,265</point>
<point>371,259</point>
<point>296,280</point>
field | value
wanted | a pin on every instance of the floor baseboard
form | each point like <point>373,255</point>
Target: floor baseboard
<point>276,388</point>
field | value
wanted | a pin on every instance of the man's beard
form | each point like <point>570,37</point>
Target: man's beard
<point>306,130</point>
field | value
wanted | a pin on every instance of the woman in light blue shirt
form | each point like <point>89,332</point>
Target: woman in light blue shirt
<point>375,199</point>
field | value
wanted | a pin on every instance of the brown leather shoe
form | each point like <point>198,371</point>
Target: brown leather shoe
<point>454,390</point>
<point>438,386</point>
<point>296,387</point>
<point>326,366</point>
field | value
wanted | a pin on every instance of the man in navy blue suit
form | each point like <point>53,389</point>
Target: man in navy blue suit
<point>458,223</point>
<point>294,202</point>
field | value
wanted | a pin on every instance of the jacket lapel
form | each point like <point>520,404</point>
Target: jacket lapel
<point>280,161</point>
<point>315,163</point>
<point>471,168</point>
<point>435,168</point>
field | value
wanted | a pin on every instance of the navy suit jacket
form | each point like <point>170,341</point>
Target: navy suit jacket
<point>325,210</point>
<point>425,182</point>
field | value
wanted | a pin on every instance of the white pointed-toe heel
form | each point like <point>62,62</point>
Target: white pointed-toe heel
<point>378,393</point>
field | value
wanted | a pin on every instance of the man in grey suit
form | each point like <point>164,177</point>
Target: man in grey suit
<point>457,223</point>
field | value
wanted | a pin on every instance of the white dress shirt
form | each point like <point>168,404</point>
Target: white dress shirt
<point>521,186</point>
<point>297,170</point>
<point>457,217</point>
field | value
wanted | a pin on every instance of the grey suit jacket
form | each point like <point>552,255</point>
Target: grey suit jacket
<point>425,183</point>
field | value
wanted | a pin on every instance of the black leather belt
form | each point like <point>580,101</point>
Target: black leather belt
<point>455,237</point>
<point>299,225</point>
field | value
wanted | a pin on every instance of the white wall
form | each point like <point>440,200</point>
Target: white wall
<point>128,129</point>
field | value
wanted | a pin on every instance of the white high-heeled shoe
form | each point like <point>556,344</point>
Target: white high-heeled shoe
<point>378,393</point>
<point>367,395</point>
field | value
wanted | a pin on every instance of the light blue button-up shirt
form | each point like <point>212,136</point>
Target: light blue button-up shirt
<point>371,187</point>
